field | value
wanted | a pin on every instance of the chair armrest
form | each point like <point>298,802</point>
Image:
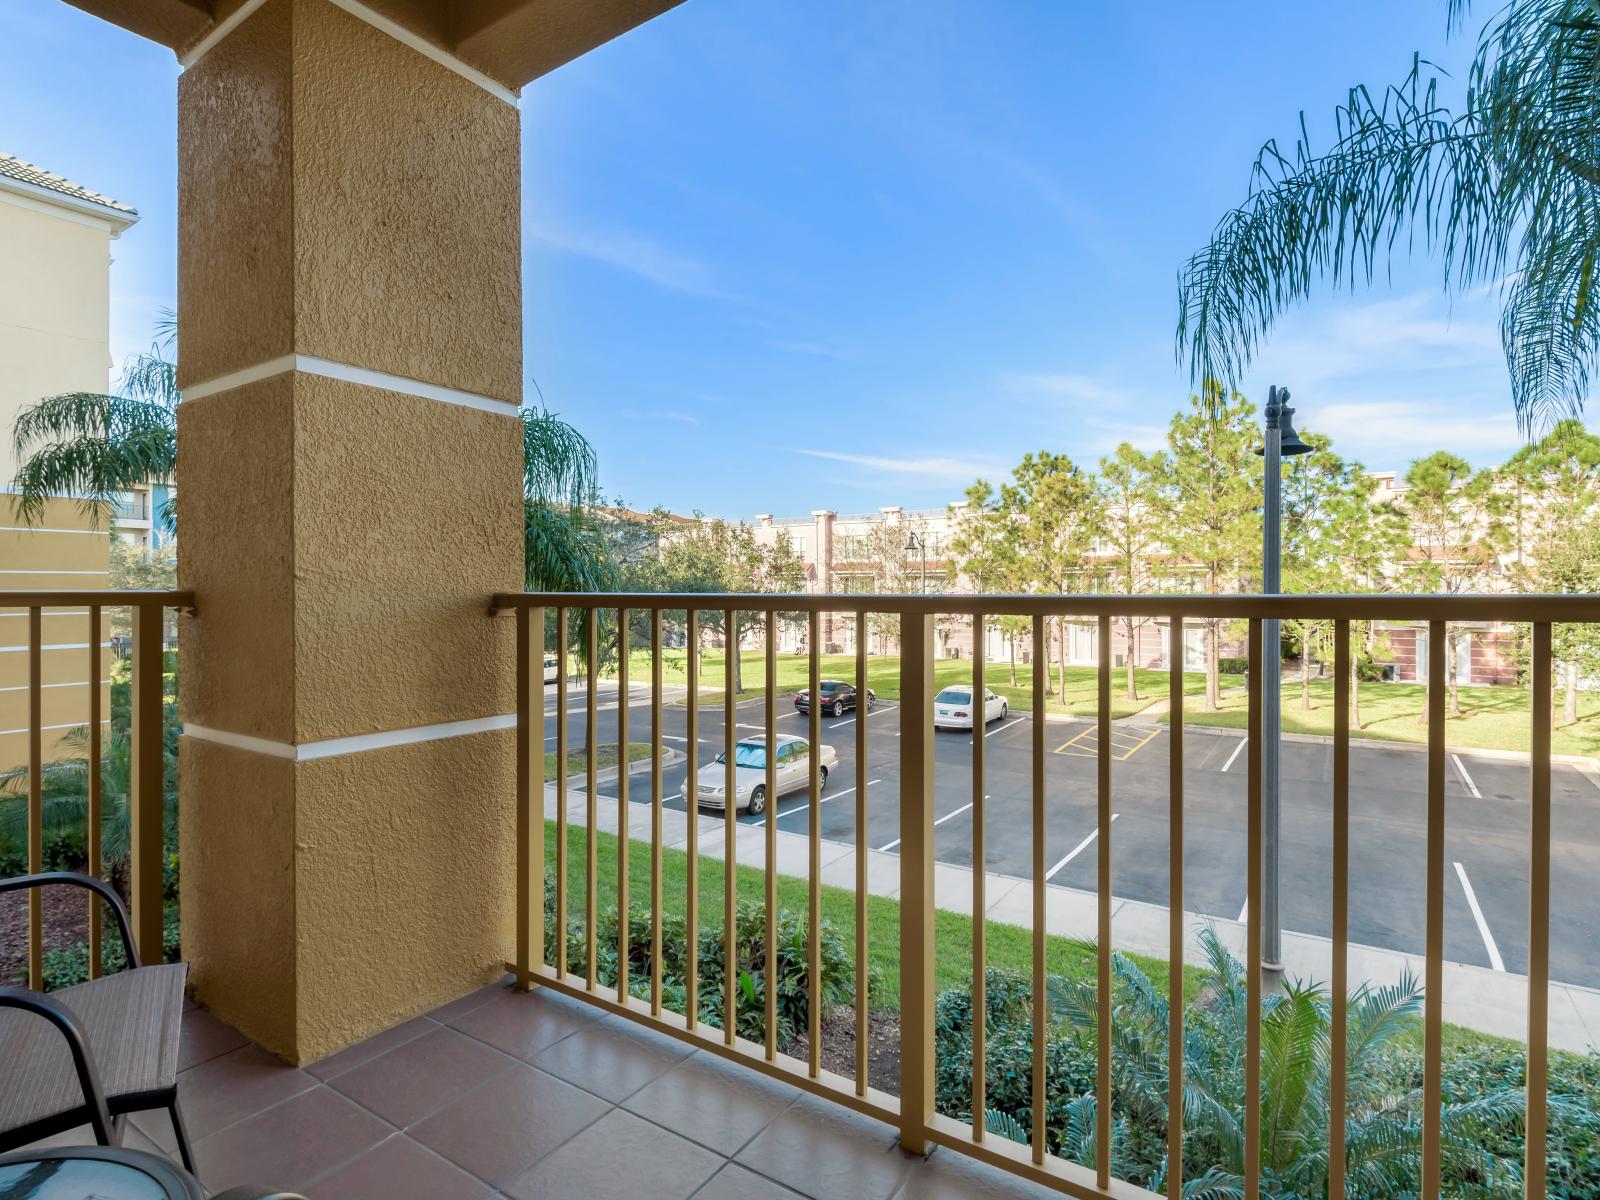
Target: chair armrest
<point>98,886</point>
<point>41,1005</point>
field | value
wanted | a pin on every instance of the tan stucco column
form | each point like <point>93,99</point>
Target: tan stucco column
<point>350,482</point>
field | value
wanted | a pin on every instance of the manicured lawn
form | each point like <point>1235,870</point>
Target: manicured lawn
<point>1493,718</point>
<point>1008,945</point>
<point>607,757</point>
<point>883,677</point>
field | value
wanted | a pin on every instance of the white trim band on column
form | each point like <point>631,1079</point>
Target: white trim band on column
<point>333,747</point>
<point>378,21</point>
<point>307,364</point>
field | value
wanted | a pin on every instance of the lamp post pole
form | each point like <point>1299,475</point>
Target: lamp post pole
<point>1271,685</point>
<point>920,543</point>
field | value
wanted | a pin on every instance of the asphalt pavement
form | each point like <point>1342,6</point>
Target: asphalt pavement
<point>1486,825</point>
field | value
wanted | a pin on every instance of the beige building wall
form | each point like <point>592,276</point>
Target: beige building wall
<point>54,337</point>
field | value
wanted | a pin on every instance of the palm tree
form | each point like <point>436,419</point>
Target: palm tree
<point>1383,1135</point>
<point>1509,181</point>
<point>95,446</point>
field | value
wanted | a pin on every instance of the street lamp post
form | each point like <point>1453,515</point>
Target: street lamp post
<point>1281,440</point>
<point>916,543</point>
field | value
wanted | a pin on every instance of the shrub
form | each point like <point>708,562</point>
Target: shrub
<point>63,968</point>
<point>1233,666</point>
<point>790,969</point>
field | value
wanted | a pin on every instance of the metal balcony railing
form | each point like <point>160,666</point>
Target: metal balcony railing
<point>147,791</point>
<point>913,1112</point>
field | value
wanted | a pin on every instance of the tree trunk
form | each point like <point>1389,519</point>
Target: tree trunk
<point>1011,644</point>
<point>1213,667</point>
<point>1133,686</point>
<point>1569,706</point>
<point>1355,692</point>
<point>731,646</point>
<point>1305,669</point>
<point>1061,669</point>
<point>1450,673</point>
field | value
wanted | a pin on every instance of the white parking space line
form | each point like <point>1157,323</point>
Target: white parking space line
<point>1471,787</point>
<point>949,816</point>
<point>1235,753</point>
<point>997,730</point>
<point>1244,912</point>
<point>1594,779</point>
<point>805,801</point>
<point>1495,961</point>
<point>1075,851</point>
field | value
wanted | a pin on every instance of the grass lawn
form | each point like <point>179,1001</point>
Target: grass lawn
<point>577,760</point>
<point>883,677</point>
<point>1493,718</point>
<point>1009,946</point>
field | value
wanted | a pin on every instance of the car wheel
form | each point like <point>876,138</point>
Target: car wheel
<point>1005,710</point>
<point>871,700</point>
<point>758,801</point>
<point>822,782</point>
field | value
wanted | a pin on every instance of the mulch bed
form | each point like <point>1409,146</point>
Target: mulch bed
<point>839,1047</point>
<point>66,924</point>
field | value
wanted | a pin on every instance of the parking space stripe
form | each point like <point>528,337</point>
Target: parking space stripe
<point>1076,850</point>
<point>1233,756</point>
<point>949,816</point>
<point>1471,787</point>
<point>804,804</point>
<point>1495,960</point>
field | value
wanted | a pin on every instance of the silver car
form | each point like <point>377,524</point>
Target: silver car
<point>750,772</point>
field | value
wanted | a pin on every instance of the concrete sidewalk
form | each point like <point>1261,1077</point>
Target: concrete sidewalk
<point>1492,1002</point>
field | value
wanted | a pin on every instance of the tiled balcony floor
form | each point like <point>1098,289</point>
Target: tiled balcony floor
<point>536,1097</point>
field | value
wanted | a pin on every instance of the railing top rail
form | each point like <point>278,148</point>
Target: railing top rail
<point>1487,607</point>
<point>108,598</point>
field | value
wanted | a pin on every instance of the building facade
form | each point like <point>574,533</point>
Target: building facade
<point>55,300</point>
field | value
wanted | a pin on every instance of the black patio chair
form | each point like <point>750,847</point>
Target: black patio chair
<point>93,1052</point>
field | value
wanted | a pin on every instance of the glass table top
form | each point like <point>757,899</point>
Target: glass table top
<point>79,1179</point>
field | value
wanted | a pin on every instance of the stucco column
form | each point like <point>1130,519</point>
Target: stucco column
<point>350,482</point>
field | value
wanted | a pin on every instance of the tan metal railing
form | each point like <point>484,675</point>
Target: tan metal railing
<point>913,1111</point>
<point>146,785</point>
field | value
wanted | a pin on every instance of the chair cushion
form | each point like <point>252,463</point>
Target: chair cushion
<point>131,1021</point>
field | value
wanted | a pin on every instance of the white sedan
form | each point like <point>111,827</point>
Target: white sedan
<point>750,773</point>
<point>953,708</point>
<point>552,668</point>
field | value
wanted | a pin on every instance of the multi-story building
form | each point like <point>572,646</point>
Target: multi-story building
<point>55,299</point>
<point>899,550</point>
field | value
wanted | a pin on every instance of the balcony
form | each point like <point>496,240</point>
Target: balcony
<point>623,1058</point>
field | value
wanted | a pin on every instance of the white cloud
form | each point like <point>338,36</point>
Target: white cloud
<point>1388,434</point>
<point>936,466</point>
<point>1063,384</point>
<point>634,253</point>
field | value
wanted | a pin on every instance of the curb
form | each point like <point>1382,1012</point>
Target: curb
<point>669,758</point>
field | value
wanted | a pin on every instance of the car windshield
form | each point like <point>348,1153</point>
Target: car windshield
<point>953,696</point>
<point>747,754</point>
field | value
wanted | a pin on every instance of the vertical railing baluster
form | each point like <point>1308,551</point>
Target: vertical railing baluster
<point>1539,833</point>
<point>1433,965</point>
<point>530,797</point>
<point>862,852</point>
<point>814,850</point>
<point>1253,881</point>
<point>148,799</point>
<point>96,817</point>
<point>1339,1015</point>
<point>916,881</point>
<point>624,916</point>
<point>771,823</point>
<point>730,828</point>
<point>591,811</point>
<point>980,991</point>
<point>1102,1140</point>
<point>655,841</point>
<point>1175,931</point>
<point>691,812</point>
<point>1041,672</point>
<point>561,793</point>
<point>36,796</point>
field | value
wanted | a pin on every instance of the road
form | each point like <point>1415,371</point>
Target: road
<point>1486,839</point>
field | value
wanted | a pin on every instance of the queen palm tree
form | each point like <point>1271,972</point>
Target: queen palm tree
<point>1504,188</point>
<point>96,446</point>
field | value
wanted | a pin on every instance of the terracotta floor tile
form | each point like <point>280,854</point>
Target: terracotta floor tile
<point>290,1144</point>
<point>422,1076</point>
<point>398,1169</point>
<point>620,1157</point>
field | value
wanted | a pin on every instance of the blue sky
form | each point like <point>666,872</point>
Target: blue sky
<point>850,253</point>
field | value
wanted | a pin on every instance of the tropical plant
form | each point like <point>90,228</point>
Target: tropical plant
<point>96,446</point>
<point>1504,186</point>
<point>1383,1137</point>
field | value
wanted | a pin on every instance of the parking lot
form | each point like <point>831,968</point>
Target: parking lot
<point>1486,824</point>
